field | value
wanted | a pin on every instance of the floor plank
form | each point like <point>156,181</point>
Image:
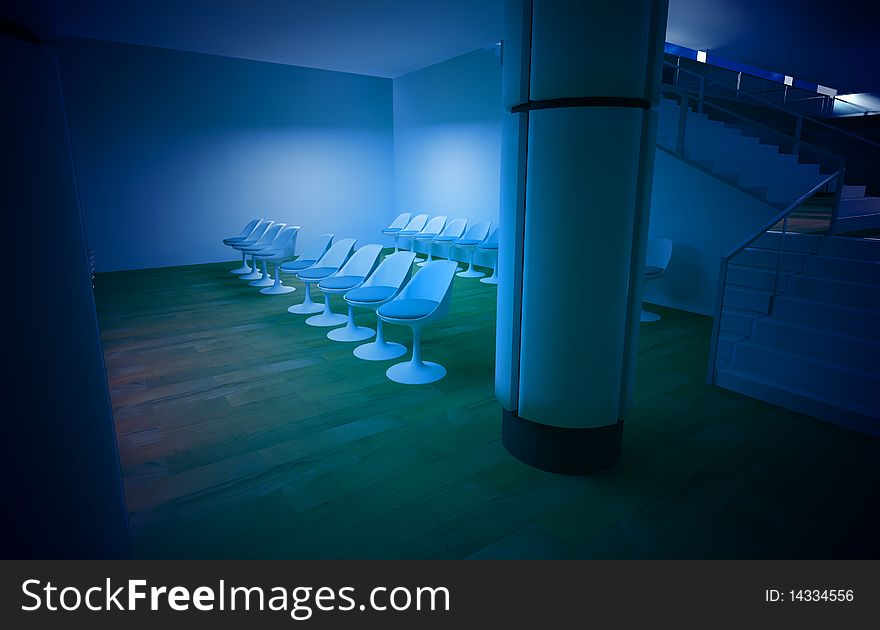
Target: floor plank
<point>245,433</point>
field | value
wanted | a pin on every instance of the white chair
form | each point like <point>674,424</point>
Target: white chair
<point>490,246</point>
<point>252,238</point>
<point>428,234</point>
<point>425,299</point>
<point>310,255</point>
<point>656,261</point>
<point>453,231</point>
<point>414,226</point>
<point>381,287</point>
<point>264,255</point>
<point>265,242</point>
<point>351,275</point>
<point>326,266</point>
<point>396,226</point>
<point>283,248</point>
<point>475,235</point>
<point>242,236</point>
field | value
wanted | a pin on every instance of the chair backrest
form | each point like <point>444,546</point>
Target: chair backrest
<point>270,234</point>
<point>393,271</point>
<point>455,228</point>
<point>285,242</point>
<point>659,252</point>
<point>432,282</point>
<point>250,226</point>
<point>492,239</point>
<point>337,254</point>
<point>362,262</point>
<point>401,220</point>
<point>435,225</point>
<point>259,230</point>
<point>417,222</point>
<point>317,247</point>
<point>478,231</point>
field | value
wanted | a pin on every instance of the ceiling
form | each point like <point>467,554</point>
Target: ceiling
<point>831,43</point>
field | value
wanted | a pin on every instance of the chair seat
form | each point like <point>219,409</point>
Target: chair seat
<point>317,273</point>
<point>297,265</point>
<point>341,282</point>
<point>426,235</point>
<point>267,253</point>
<point>242,244</point>
<point>445,239</point>
<point>408,309</point>
<point>653,271</point>
<point>468,242</point>
<point>488,246</point>
<point>391,230</point>
<point>370,294</point>
<point>408,232</point>
<point>233,239</point>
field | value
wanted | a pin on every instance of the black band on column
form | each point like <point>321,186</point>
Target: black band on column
<point>582,101</point>
<point>560,449</point>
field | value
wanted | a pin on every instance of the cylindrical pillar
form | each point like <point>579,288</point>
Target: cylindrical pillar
<point>578,141</point>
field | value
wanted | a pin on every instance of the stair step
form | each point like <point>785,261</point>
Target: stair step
<point>737,320</point>
<point>726,343</point>
<point>820,314</point>
<point>801,243</point>
<point>757,278</point>
<point>781,392</point>
<point>831,346</point>
<point>859,207</point>
<point>853,192</point>
<point>853,294</point>
<point>770,259</point>
<point>826,380</point>
<point>850,269</point>
<point>846,247</point>
<point>754,300</point>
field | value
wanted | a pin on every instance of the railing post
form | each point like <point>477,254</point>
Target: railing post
<point>682,124</point>
<point>702,90</point>
<point>835,207</point>
<point>716,323</point>
<point>677,70</point>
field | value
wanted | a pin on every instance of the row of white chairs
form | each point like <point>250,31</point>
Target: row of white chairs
<point>443,235</point>
<point>337,268</point>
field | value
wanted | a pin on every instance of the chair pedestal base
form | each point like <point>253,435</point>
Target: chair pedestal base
<point>493,279</point>
<point>256,274</point>
<point>648,316</point>
<point>379,351</point>
<point>351,333</point>
<point>326,318</point>
<point>244,266</point>
<point>277,289</point>
<point>308,307</point>
<point>415,372</point>
<point>470,272</point>
<point>264,281</point>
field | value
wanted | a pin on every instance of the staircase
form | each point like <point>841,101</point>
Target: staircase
<point>800,326</point>
<point>859,213</point>
<point>736,154</point>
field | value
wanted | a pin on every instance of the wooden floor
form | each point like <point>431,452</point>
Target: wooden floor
<point>245,433</point>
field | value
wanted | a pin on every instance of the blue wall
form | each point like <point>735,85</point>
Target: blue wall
<point>706,219</point>
<point>176,150</point>
<point>447,138</point>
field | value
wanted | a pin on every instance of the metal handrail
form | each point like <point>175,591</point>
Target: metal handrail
<point>766,103</point>
<point>839,160</point>
<point>725,262</point>
<point>788,210</point>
